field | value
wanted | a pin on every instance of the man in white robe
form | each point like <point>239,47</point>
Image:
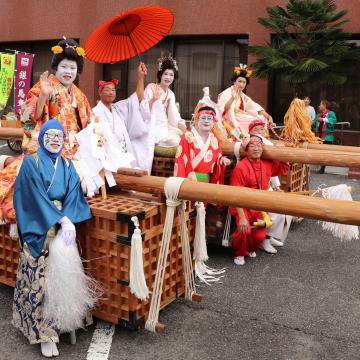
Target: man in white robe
<point>125,119</point>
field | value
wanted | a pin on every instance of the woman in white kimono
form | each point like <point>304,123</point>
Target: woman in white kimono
<point>159,109</point>
<point>238,109</point>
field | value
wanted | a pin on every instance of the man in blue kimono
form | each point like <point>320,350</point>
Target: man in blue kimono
<point>47,197</point>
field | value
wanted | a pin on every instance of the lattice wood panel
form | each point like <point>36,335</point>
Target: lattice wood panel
<point>106,241</point>
<point>9,257</point>
<point>291,182</point>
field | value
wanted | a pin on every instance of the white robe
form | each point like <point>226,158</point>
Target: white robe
<point>165,121</point>
<point>116,122</point>
<point>239,119</point>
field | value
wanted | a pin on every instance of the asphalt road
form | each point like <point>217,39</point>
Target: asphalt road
<point>300,304</point>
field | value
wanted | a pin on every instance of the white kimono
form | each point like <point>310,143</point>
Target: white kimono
<point>115,120</point>
<point>240,118</point>
<point>164,117</point>
<point>280,222</point>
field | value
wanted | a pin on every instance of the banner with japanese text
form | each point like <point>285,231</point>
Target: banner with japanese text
<point>7,71</point>
<point>24,64</point>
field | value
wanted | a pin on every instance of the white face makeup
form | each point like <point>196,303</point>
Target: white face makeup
<point>167,78</point>
<point>66,72</point>
<point>53,140</point>
<point>206,122</point>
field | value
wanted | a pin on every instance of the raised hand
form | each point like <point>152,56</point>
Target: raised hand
<point>142,69</point>
<point>45,86</point>
<point>157,91</point>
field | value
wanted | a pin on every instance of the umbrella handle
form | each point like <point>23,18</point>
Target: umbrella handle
<point>132,42</point>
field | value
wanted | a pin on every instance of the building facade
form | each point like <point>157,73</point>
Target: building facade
<point>208,39</point>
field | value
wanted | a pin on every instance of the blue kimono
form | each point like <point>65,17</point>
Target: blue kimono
<point>37,185</point>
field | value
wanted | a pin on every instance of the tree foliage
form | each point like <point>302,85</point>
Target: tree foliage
<point>308,44</point>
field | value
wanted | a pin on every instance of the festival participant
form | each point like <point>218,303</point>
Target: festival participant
<point>199,158</point>
<point>198,155</point>
<point>239,109</point>
<point>47,197</point>
<point>324,125</point>
<point>117,115</point>
<point>159,109</point>
<point>309,109</point>
<point>54,96</point>
<point>277,232</point>
<point>254,173</point>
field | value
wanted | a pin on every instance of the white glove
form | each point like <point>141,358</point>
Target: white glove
<point>68,231</point>
<point>325,120</point>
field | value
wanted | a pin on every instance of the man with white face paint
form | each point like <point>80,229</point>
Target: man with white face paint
<point>198,155</point>
<point>54,96</point>
<point>47,199</point>
<point>199,158</point>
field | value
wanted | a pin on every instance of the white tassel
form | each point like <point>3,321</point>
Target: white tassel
<point>13,231</point>
<point>70,293</point>
<point>341,231</point>
<point>200,250</point>
<point>137,282</point>
<point>202,271</point>
<point>226,236</point>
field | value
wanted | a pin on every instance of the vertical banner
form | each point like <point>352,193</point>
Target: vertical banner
<point>6,77</point>
<point>24,64</point>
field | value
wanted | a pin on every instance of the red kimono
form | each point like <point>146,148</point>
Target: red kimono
<point>197,160</point>
<point>254,175</point>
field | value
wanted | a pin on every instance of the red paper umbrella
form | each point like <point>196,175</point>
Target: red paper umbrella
<point>129,34</point>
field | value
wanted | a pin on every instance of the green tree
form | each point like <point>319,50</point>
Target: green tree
<point>308,44</point>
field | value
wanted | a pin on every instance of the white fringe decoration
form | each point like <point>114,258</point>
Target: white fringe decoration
<point>341,231</point>
<point>13,231</point>
<point>202,271</point>
<point>172,187</point>
<point>137,282</point>
<point>70,293</point>
<point>226,236</point>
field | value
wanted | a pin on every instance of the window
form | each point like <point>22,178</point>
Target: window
<point>202,62</point>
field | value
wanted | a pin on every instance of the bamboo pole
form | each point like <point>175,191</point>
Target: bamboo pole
<point>302,156</point>
<point>338,211</point>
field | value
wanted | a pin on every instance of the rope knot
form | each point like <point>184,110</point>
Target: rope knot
<point>173,202</point>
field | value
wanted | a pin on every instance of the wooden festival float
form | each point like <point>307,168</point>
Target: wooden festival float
<point>105,240</point>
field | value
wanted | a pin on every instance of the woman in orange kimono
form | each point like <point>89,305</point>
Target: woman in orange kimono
<point>54,96</point>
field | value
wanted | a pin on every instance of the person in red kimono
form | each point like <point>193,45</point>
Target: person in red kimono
<point>199,156</point>
<point>254,173</point>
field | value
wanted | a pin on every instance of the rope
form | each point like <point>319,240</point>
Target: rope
<point>172,187</point>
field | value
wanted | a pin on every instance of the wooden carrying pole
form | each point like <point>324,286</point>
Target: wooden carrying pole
<point>350,149</point>
<point>11,133</point>
<point>331,157</point>
<point>302,156</point>
<point>338,211</point>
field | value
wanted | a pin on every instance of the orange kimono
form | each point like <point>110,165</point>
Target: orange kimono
<point>72,110</point>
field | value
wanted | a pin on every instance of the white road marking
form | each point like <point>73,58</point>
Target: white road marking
<point>1,146</point>
<point>101,341</point>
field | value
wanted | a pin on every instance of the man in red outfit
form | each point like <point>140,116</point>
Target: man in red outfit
<point>254,173</point>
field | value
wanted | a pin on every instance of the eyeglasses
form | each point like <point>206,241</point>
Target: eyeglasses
<point>52,136</point>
